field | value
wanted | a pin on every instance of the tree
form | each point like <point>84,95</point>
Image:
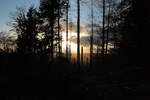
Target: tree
<point>82,53</point>
<point>91,37</point>
<point>71,26</point>
<point>32,29</point>
<point>124,25</point>
<point>62,7</point>
<point>67,14</point>
<point>58,22</point>
<point>131,19</point>
<point>7,42</point>
<point>51,12</point>
<point>25,25</point>
<point>78,32</point>
<point>103,30</point>
<point>48,12</point>
<point>108,25</point>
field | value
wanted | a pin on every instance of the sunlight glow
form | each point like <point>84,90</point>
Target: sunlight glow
<point>72,41</point>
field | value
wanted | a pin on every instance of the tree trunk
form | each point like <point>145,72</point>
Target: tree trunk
<point>78,32</point>
<point>91,37</point>
<point>67,28</point>
<point>52,42</point>
<point>52,35</point>
<point>59,47</point>
<point>103,31</point>
<point>82,56</point>
<point>108,24</point>
<point>70,37</point>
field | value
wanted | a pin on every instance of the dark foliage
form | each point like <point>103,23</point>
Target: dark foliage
<point>31,73</point>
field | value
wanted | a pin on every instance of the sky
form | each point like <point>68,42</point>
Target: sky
<point>9,6</point>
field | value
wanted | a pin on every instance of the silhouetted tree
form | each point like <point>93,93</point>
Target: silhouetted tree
<point>108,25</point>
<point>103,31</point>
<point>82,55</point>
<point>47,8</point>
<point>71,26</point>
<point>25,25</point>
<point>131,22</point>
<point>92,32</point>
<point>58,22</point>
<point>7,42</point>
<point>51,12</point>
<point>78,32</point>
<point>32,32</point>
<point>125,25</point>
<point>67,28</point>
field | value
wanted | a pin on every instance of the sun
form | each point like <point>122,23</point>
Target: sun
<point>72,43</point>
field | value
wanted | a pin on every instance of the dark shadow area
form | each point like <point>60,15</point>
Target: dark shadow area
<point>34,66</point>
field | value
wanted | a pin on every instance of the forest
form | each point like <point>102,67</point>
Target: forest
<point>76,49</point>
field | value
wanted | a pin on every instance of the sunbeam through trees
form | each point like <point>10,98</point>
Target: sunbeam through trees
<point>74,49</point>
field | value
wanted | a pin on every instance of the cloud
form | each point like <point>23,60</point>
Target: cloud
<point>85,40</point>
<point>84,29</point>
